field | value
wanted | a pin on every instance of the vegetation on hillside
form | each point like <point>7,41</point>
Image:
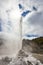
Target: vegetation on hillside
<point>38,40</point>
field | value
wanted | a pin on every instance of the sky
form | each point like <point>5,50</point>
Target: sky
<point>32,23</point>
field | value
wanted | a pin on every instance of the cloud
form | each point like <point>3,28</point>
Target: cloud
<point>35,21</point>
<point>32,23</point>
<point>9,11</point>
<point>31,35</point>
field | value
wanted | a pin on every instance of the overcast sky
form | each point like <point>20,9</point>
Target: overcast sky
<point>31,24</point>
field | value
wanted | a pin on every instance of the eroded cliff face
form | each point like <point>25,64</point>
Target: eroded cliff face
<point>34,46</point>
<point>29,46</point>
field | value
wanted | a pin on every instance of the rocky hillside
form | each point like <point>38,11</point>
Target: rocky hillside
<point>34,45</point>
<point>39,42</point>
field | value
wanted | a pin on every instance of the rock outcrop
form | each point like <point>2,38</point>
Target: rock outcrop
<point>34,46</point>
